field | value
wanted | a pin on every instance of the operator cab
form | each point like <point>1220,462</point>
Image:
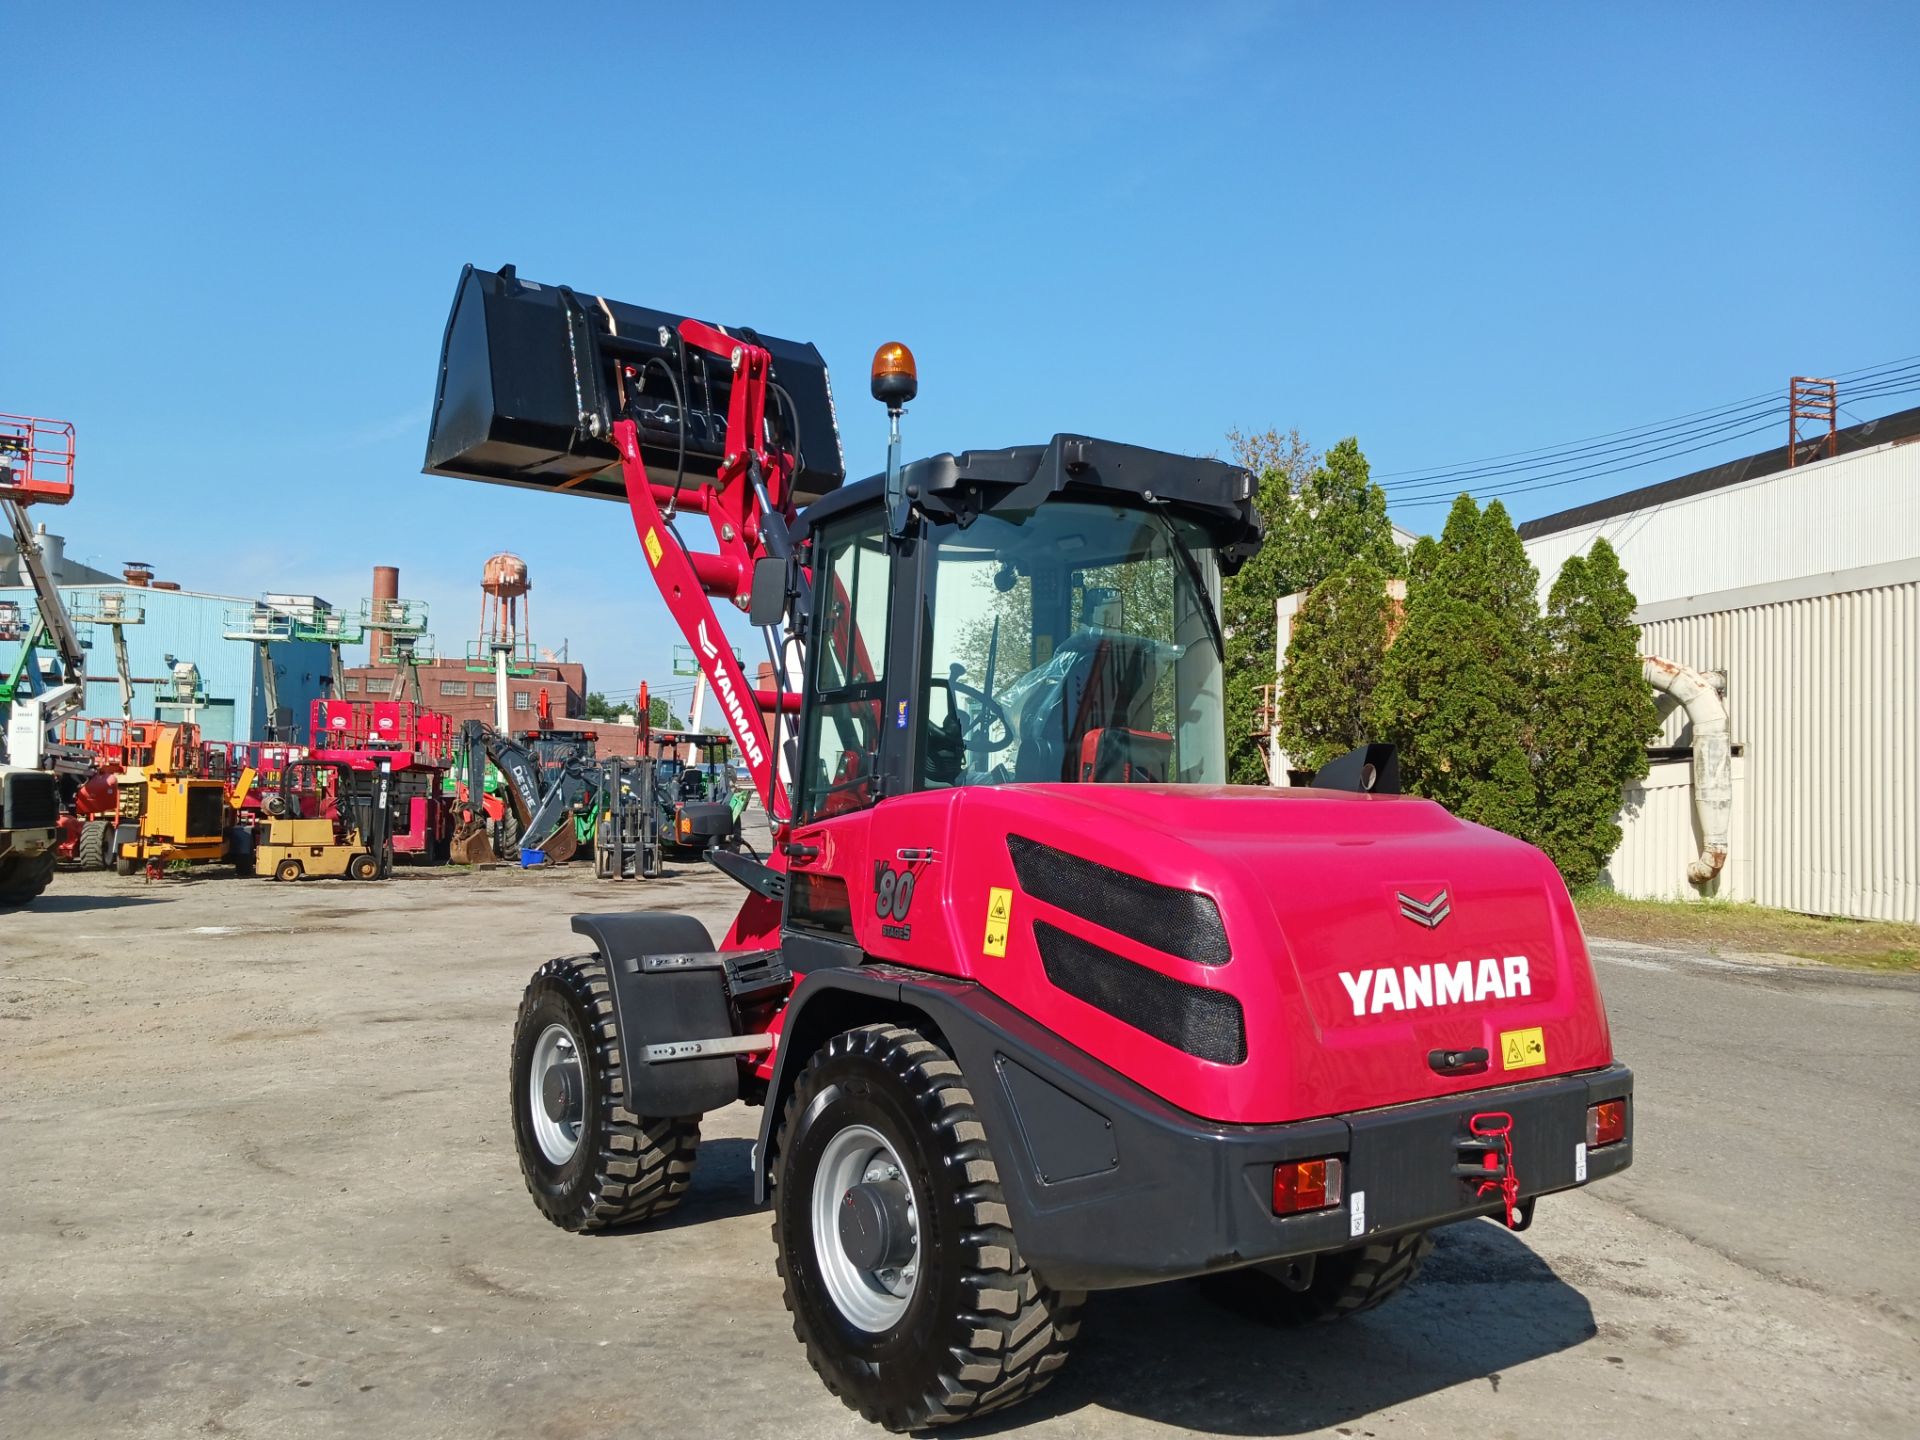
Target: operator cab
<point>1042,614</point>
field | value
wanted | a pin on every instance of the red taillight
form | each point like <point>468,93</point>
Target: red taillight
<point>1606,1123</point>
<point>1305,1185</point>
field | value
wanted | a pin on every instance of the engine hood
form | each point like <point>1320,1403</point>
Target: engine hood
<point>1362,934</point>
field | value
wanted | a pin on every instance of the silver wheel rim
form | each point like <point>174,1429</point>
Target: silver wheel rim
<point>874,1300</point>
<point>557,1139</point>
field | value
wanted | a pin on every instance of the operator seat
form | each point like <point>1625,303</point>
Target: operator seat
<point>1108,686</point>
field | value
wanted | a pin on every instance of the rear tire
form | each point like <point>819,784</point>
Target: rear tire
<point>23,877</point>
<point>363,867</point>
<point>124,867</point>
<point>951,1324</point>
<point>596,1164</point>
<point>90,853</point>
<point>1348,1282</point>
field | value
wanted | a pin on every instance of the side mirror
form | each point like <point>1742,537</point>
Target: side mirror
<point>1365,770</point>
<point>767,602</point>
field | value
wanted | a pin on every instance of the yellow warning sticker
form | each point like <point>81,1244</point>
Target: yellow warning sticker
<point>1522,1049</point>
<point>652,543</point>
<point>999,918</point>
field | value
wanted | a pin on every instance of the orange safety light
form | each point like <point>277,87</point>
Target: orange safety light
<point>1300,1185</point>
<point>895,379</point>
<point>1606,1123</point>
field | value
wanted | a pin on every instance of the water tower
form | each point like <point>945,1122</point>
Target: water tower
<point>504,646</point>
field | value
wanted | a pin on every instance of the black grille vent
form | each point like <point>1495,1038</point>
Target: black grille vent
<point>1205,1023</point>
<point>31,802</point>
<point>206,812</point>
<point>1180,922</point>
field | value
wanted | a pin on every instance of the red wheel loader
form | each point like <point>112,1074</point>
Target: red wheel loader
<point>1033,1001</point>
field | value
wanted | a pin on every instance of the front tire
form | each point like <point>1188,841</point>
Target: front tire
<point>589,1162</point>
<point>91,853</point>
<point>23,877</point>
<point>892,1236</point>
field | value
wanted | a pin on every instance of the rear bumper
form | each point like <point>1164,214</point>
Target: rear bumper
<point>28,842</point>
<point>1189,1198</point>
<point>1110,1186</point>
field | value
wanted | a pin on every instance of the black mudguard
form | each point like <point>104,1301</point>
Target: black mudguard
<point>655,1004</point>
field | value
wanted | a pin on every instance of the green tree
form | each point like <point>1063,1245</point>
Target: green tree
<point>1322,513</point>
<point>1334,660</point>
<point>1596,713</point>
<point>660,715</point>
<point>1454,696</point>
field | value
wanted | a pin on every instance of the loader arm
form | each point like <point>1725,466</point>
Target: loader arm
<point>750,511</point>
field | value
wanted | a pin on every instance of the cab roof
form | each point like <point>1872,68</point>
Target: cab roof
<point>958,487</point>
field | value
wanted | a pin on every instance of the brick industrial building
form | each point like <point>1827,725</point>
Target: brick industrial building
<point>451,688</point>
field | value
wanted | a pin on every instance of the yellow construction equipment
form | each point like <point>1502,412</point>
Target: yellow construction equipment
<point>169,811</point>
<point>330,821</point>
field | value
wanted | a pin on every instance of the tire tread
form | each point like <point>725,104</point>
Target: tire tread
<point>645,1163</point>
<point>1017,1330</point>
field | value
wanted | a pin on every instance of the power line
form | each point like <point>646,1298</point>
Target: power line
<point>1554,480</point>
<point>1890,381</point>
<point>1633,435</point>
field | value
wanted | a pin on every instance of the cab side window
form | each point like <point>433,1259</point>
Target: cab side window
<point>849,683</point>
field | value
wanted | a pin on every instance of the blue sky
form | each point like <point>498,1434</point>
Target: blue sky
<point>1451,230</point>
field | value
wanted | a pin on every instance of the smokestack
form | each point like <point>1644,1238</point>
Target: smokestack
<point>386,587</point>
<point>137,574</point>
<point>53,552</point>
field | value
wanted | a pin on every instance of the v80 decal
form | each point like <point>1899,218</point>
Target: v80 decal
<point>892,893</point>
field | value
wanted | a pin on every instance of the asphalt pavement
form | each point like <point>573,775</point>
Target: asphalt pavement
<point>257,1179</point>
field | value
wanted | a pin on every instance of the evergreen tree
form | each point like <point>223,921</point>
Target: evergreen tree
<point>1321,513</point>
<point>1454,696</point>
<point>1596,713</point>
<point>1334,660</point>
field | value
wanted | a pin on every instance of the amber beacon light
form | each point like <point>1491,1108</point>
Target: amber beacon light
<point>895,381</point>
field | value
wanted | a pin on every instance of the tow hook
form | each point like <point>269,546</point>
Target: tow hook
<point>1486,1162</point>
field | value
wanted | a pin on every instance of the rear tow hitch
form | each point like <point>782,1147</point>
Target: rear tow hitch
<point>1486,1162</point>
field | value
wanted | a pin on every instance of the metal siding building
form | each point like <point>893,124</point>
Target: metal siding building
<point>192,626</point>
<point>1802,587</point>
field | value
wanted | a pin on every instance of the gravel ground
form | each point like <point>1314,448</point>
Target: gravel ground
<point>256,1178</point>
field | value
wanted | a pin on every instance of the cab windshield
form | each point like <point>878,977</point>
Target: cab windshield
<point>1075,642</point>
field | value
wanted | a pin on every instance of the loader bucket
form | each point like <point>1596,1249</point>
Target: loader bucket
<point>532,378</point>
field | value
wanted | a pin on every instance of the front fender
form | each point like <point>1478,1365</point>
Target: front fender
<point>659,1006</point>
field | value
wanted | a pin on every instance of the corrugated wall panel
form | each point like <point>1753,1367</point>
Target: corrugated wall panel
<point>192,626</point>
<point>1824,699</point>
<point>1659,839</point>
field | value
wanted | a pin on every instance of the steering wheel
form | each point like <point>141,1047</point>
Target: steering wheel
<point>987,714</point>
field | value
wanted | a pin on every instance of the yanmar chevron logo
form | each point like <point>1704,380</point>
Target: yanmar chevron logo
<point>1425,912</point>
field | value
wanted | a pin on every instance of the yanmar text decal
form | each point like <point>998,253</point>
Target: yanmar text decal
<point>1416,987</point>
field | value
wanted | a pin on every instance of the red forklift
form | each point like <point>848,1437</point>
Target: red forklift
<point>1034,1002</point>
